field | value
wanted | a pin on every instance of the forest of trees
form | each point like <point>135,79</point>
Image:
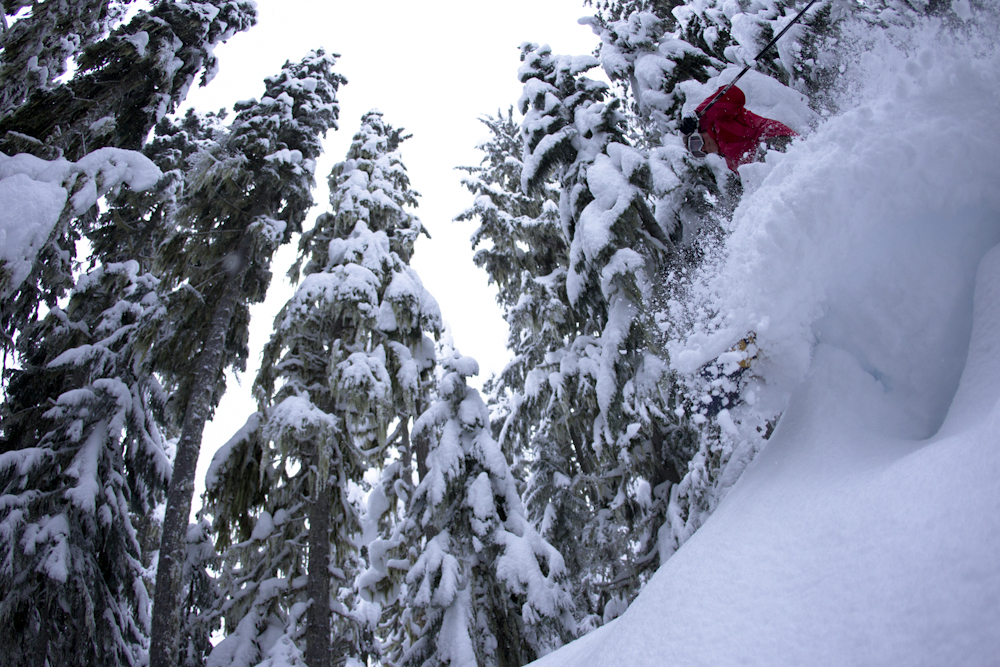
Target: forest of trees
<point>375,509</point>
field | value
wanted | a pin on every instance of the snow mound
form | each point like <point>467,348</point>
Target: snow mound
<point>866,532</point>
<point>866,234</point>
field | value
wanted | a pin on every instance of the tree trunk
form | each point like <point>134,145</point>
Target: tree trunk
<point>41,642</point>
<point>420,451</point>
<point>167,605</point>
<point>319,648</point>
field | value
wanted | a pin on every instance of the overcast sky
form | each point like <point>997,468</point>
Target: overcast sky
<point>432,68</point>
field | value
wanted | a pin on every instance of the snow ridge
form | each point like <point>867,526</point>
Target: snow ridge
<point>865,532</point>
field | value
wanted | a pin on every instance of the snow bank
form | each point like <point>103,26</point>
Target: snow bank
<point>866,234</point>
<point>840,546</point>
<point>867,530</point>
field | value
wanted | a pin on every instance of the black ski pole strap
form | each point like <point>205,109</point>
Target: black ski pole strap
<point>754,61</point>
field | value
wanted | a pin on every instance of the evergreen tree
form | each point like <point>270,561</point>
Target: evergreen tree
<point>201,595</point>
<point>608,429</point>
<point>654,53</point>
<point>349,356</point>
<point>245,195</point>
<point>82,414</point>
<point>72,588</point>
<point>38,46</point>
<point>484,588</point>
<point>527,257</point>
<point>126,80</point>
<point>523,231</point>
<point>124,83</point>
<point>588,402</point>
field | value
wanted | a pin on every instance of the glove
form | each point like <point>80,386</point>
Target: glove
<point>689,125</point>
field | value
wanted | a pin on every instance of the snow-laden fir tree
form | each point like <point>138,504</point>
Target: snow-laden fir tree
<point>244,195</point>
<point>201,595</point>
<point>80,425</point>
<point>581,398</point>
<point>350,356</point>
<point>526,255</point>
<point>38,46</point>
<point>123,83</point>
<point>525,239</point>
<point>482,586</point>
<point>589,394</point>
<point>77,463</point>
<point>126,78</point>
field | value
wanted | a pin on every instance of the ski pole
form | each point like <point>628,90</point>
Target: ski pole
<point>754,61</point>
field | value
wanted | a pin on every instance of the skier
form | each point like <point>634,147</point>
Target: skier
<point>727,128</point>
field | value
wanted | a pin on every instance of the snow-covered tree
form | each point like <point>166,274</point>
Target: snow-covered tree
<point>261,166</point>
<point>82,413</point>
<point>526,255</point>
<point>245,195</point>
<point>579,399</point>
<point>483,587</point>
<point>349,357</point>
<point>125,79</point>
<point>124,82</point>
<point>614,240</point>
<point>521,232</point>
<point>77,462</point>
<point>37,48</point>
<point>201,595</point>
<point>606,427</point>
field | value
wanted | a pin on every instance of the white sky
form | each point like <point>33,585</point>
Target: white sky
<point>432,68</point>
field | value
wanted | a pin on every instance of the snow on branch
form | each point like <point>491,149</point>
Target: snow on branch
<point>34,194</point>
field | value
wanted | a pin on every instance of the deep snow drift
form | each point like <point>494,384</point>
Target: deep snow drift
<point>867,531</point>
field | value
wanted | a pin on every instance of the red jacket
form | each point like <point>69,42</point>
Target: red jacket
<point>738,131</point>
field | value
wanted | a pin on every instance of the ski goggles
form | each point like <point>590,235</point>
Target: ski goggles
<point>695,144</point>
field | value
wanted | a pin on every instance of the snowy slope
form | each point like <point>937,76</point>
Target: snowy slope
<point>867,531</point>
